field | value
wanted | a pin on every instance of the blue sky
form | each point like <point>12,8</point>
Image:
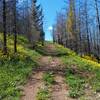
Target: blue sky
<point>50,8</point>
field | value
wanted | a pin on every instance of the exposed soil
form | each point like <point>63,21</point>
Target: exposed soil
<point>32,86</point>
<point>35,81</point>
<point>59,90</point>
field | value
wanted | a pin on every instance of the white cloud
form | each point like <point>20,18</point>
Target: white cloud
<point>50,28</point>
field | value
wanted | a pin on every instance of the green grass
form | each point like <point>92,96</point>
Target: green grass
<point>57,51</point>
<point>12,74</point>
<point>76,85</point>
<point>43,94</point>
<point>48,78</point>
<point>63,51</point>
<point>76,81</point>
<point>15,68</point>
<point>84,66</point>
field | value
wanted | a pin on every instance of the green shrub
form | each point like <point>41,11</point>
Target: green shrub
<point>48,78</point>
<point>15,68</point>
<point>76,85</point>
<point>43,94</point>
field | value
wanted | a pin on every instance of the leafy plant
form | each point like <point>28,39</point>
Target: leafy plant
<point>48,78</point>
<point>15,68</point>
<point>76,85</point>
<point>43,94</point>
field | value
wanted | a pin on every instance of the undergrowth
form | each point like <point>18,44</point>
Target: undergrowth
<point>76,84</point>
<point>75,80</point>
<point>48,78</point>
<point>43,94</point>
<point>15,68</point>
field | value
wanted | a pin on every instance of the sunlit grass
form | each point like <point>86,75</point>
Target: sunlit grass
<point>15,68</point>
<point>43,94</point>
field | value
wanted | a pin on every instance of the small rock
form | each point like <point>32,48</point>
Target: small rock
<point>90,87</point>
<point>95,92</point>
<point>86,86</point>
<point>99,95</point>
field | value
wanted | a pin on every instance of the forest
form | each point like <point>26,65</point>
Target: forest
<point>78,27</point>
<point>64,68</point>
<point>21,17</point>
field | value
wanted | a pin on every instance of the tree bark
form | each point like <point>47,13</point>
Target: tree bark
<point>15,33</point>
<point>4,28</point>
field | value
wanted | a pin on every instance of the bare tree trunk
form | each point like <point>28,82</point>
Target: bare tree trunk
<point>80,39</point>
<point>98,21</point>
<point>15,33</point>
<point>87,30</point>
<point>97,12</point>
<point>4,28</point>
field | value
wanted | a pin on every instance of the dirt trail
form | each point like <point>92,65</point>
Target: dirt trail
<point>35,82</point>
<point>32,87</point>
<point>59,91</point>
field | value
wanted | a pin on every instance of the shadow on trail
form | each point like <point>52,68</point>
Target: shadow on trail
<point>54,71</point>
<point>50,50</point>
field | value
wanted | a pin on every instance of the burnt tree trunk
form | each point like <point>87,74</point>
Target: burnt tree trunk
<point>15,33</point>
<point>4,28</point>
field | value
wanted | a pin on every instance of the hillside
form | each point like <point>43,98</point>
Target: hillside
<point>50,72</point>
<point>15,68</point>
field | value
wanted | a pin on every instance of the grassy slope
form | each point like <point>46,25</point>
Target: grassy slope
<point>80,72</point>
<point>15,68</point>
